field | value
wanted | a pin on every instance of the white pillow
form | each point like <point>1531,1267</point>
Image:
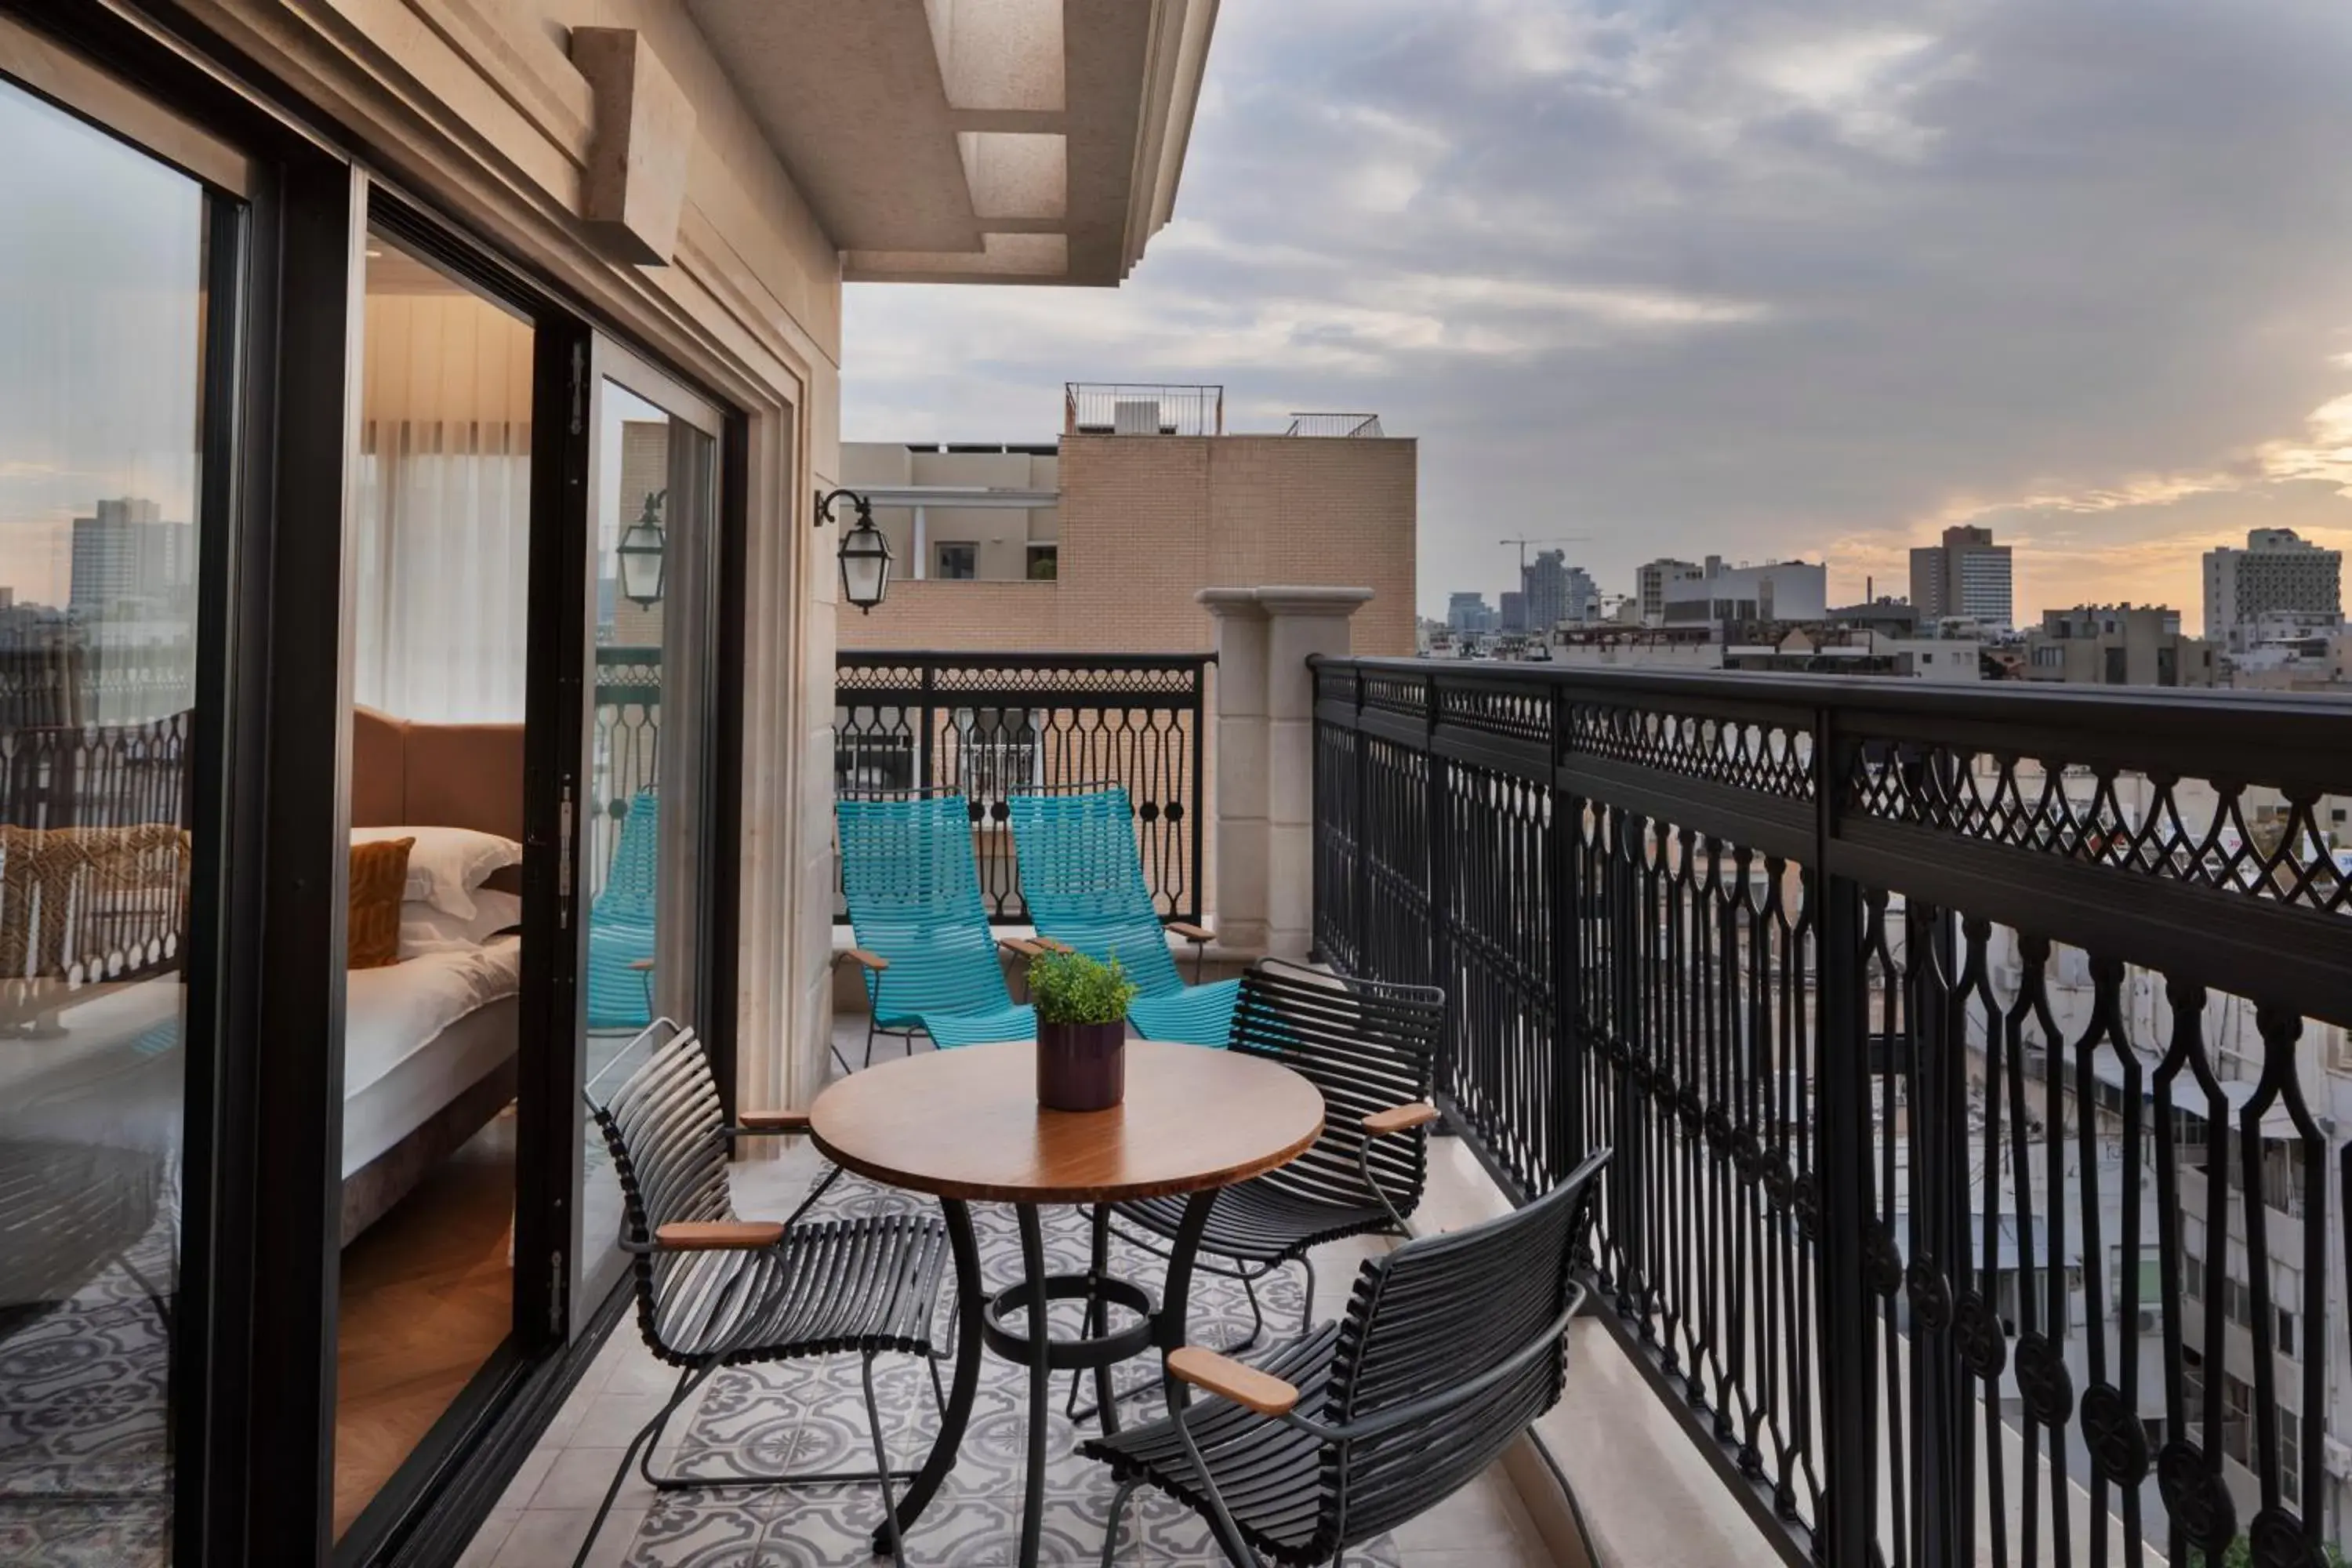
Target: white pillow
<point>423,929</point>
<point>445,865</point>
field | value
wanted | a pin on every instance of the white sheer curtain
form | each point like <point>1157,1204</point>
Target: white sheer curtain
<point>443,546</point>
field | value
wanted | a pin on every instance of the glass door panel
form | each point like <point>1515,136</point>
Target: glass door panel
<point>441,544</point>
<point>104,513</point>
<point>645,775</point>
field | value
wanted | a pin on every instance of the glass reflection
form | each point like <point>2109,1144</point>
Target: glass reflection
<point>101,330</point>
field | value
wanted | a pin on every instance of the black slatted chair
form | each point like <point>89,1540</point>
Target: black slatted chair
<point>715,1291</point>
<point>1450,1346</point>
<point>1371,1047</point>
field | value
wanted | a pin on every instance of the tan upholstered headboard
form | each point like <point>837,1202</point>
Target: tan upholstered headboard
<point>409,775</point>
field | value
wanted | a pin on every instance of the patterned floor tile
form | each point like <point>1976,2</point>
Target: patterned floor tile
<point>810,1416</point>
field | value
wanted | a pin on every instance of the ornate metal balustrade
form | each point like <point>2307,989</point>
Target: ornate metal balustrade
<point>628,747</point>
<point>1974,1060</point>
<point>994,725</point>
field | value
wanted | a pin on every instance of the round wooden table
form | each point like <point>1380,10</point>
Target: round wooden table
<point>964,1126</point>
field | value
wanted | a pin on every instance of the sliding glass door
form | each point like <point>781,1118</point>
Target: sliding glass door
<point>643,800</point>
<point>118,312</point>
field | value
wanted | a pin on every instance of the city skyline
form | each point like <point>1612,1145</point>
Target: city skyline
<point>1790,279</point>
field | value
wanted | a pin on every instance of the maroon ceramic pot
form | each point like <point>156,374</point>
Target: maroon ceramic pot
<point>1081,1066</point>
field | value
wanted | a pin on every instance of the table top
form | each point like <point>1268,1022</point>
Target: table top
<point>965,1123</point>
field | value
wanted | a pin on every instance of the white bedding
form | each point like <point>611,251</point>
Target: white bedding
<point>419,1033</point>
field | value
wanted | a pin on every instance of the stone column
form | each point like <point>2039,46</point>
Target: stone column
<point>1265,844</point>
<point>1237,848</point>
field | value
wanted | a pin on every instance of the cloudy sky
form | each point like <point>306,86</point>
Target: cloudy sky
<point>1760,277</point>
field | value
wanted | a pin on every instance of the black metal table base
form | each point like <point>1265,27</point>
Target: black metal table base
<point>980,1321</point>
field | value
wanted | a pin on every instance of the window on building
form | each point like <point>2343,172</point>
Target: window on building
<point>2237,1419</point>
<point>957,561</point>
<point>1044,562</point>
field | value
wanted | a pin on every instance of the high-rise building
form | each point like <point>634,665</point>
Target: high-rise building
<point>1555,592</point>
<point>1544,583</point>
<point>1468,613</point>
<point>1650,585</point>
<point>1514,612</point>
<point>2278,583</point>
<point>127,553</point>
<point>1583,597</point>
<point>1966,576</point>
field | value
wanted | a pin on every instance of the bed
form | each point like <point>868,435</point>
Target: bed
<point>429,1043</point>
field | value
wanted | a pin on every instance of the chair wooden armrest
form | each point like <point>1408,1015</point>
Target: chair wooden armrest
<point>641,965</point>
<point>1246,1386</point>
<point>1191,933</point>
<point>1050,945</point>
<point>860,955</point>
<point>1019,946</point>
<point>718,1236</point>
<point>771,1121</point>
<point>1400,1119</point>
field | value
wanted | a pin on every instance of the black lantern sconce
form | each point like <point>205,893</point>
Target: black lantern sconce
<point>865,553</point>
<point>644,554</point>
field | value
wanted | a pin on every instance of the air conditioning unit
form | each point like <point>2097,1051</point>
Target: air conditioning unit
<point>2149,1322</point>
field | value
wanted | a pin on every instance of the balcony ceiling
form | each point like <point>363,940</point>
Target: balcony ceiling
<point>974,140</point>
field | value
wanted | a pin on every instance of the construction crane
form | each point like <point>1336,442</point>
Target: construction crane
<point>1523,543</point>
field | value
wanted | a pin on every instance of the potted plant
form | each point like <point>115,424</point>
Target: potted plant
<point>1081,1030</point>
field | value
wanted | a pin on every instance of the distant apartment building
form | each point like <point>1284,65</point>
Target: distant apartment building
<point>1098,541</point>
<point>2116,645</point>
<point>127,554</point>
<point>1557,593</point>
<point>1966,574</point>
<point>2279,585</point>
<point>1650,585</point>
<point>1735,595</point>
<point>1512,614</point>
<point>1469,614</point>
<point>1810,649</point>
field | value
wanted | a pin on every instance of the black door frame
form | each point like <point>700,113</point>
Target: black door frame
<point>255,1316</point>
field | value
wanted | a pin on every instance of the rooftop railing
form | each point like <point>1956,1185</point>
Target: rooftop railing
<point>1107,408</point>
<point>1366,426</point>
<point>1907,1012</point>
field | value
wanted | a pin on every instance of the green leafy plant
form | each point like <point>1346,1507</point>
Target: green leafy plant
<point>1071,988</point>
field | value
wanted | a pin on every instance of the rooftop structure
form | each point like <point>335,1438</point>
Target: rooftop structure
<point>1966,574</point>
<point>1101,540</point>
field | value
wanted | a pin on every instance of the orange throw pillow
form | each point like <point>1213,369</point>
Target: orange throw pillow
<point>379,876</point>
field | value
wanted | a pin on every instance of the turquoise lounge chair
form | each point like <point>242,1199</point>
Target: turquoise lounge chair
<point>621,922</point>
<point>923,939</point>
<point>1082,877</point>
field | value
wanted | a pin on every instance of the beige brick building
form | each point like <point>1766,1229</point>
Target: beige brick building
<point>1099,545</point>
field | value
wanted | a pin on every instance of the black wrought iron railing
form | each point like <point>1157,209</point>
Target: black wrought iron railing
<point>993,725</point>
<point>1907,1010</point>
<point>628,742</point>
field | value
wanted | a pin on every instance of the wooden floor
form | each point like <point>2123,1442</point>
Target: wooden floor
<point>428,1296</point>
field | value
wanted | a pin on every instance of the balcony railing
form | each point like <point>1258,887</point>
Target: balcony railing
<point>990,726</point>
<point>1895,1005</point>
